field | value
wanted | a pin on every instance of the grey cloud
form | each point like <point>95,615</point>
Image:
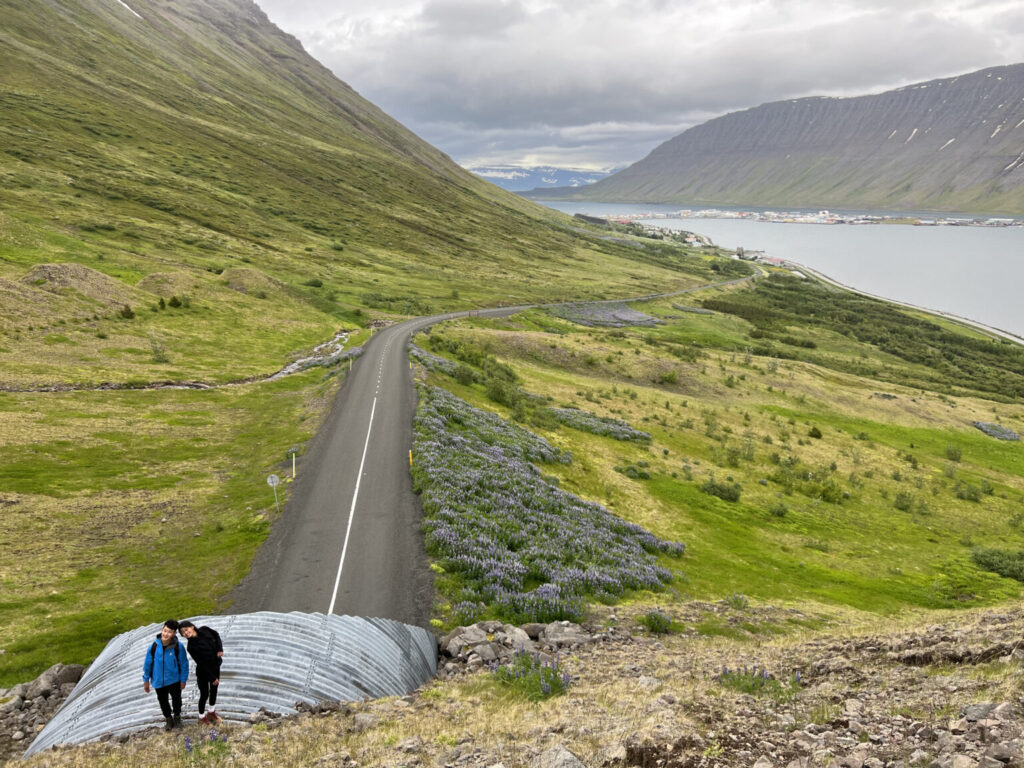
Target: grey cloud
<point>532,77</point>
<point>454,19</point>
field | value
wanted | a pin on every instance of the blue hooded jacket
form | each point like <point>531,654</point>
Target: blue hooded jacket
<point>165,666</point>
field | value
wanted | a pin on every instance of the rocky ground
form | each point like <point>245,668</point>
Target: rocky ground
<point>942,695</point>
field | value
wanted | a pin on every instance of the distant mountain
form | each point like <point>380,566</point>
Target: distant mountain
<point>520,179</point>
<point>955,144</point>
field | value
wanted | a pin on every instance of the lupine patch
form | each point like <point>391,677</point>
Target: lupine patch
<point>431,361</point>
<point>599,425</point>
<point>523,547</point>
<point>532,677</point>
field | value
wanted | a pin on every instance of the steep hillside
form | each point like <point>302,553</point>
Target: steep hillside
<point>955,144</point>
<point>192,137</point>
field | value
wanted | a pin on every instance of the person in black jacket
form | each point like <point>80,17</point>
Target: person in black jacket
<point>206,650</point>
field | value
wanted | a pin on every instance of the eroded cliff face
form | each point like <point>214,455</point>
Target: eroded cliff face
<point>952,144</point>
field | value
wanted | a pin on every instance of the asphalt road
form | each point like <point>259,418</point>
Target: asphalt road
<point>349,541</point>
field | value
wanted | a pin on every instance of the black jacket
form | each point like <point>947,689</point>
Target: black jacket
<point>203,649</point>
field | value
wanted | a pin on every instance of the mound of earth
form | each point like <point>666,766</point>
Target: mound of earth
<point>24,305</point>
<point>250,281</point>
<point>79,280</point>
<point>168,284</point>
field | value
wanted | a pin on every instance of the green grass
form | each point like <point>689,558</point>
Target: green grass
<point>155,514</point>
<point>826,529</point>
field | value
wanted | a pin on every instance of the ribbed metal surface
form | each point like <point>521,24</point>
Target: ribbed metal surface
<point>271,660</point>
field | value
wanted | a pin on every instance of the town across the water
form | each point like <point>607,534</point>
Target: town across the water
<point>822,217</point>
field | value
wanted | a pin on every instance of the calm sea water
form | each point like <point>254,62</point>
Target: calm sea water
<point>973,272</point>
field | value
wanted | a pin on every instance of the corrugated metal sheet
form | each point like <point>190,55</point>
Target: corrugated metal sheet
<point>271,660</point>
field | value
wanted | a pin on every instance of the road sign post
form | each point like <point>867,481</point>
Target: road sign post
<point>272,481</point>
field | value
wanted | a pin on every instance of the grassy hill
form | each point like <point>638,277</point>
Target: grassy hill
<point>800,457</point>
<point>195,150</point>
<point>186,196</point>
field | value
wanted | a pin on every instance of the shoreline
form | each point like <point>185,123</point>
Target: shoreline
<point>972,324</point>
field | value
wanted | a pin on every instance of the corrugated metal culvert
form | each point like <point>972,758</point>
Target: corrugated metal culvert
<point>271,660</point>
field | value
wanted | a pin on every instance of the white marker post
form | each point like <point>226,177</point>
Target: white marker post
<point>272,481</point>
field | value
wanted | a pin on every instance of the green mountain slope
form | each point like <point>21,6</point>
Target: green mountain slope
<point>190,138</point>
<point>946,145</point>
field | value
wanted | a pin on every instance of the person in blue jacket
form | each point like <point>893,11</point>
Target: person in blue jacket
<point>166,667</point>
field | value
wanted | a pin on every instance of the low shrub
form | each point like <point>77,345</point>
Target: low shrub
<point>1005,562</point>
<point>657,622</point>
<point>758,682</point>
<point>532,678</point>
<point>725,491</point>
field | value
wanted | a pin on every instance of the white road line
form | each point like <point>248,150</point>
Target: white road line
<point>352,511</point>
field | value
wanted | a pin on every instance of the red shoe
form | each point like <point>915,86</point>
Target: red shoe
<point>204,720</point>
<point>215,719</point>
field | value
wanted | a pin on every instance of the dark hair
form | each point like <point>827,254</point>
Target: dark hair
<point>172,624</point>
<point>183,624</point>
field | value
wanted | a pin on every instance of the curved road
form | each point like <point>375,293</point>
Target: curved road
<point>349,540</point>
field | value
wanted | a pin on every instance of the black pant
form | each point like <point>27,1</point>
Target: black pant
<point>204,679</point>
<point>174,692</point>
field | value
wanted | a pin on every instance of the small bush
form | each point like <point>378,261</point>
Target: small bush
<point>968,492</point>
<point>174,302</point>
<point>953,453</point>
<point>126,312</point>
<point>503,392</point>
<point>532,678</point>
<point>314,282</point>
<point>903,501</point>
<point>657,622</point>
<point>758,682</point>
<point>815,433</point>
<point>464,374</point>
<point>725,491</point>
<point>1002,561</point>
<point>737,601</point>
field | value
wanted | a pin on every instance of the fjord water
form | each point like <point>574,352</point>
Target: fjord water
<point>974,272</point>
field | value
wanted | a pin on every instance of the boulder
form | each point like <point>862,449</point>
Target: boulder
<point>975,712</point>
<point>461,640</point>
<point>557,757</point>
<point>564,634</point>
<point>12,704</point>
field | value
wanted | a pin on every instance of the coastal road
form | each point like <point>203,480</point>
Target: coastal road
<point>349,540</point>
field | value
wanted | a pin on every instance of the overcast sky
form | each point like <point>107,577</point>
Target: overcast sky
<point>599,83</point>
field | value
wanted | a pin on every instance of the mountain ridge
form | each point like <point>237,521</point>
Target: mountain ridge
<point>950,144</point>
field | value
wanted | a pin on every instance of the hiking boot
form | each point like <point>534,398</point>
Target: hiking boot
<point>168,723</point>
<point>214,718</point>
<point>204,720</point>
<point>177,722</point>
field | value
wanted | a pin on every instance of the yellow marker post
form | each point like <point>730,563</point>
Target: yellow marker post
<point>293,466</point>
<point>410,458</point>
